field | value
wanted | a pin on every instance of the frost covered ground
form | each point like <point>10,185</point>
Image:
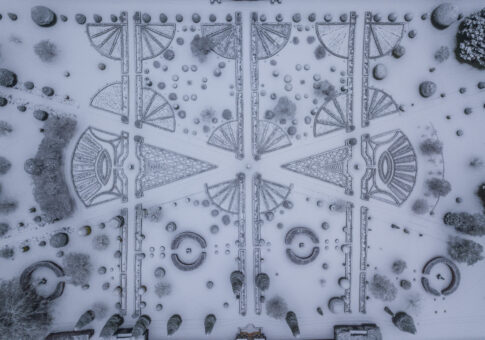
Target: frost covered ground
<point>243,163</point>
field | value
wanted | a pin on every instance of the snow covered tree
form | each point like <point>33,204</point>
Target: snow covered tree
<point>24,315</point>
<point>438,187</point>
<point>470,224</point>
<point>464,251</point>
<point>382,288</point>
<point>77,267</point>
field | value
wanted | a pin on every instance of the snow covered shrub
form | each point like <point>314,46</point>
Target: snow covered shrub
<point>325,89</point>
<point>285,108</point>
<point>5,165</point>
<point>464,251</point>
<point>431,146</point>
<point>7,206</point>
<point>163,289</point>
<point>481,194</point>
<point>78,268</point>
<point>100,310</point>
<point>7,252</point>
<point>46,51</point>
<point>414,302</point>
<point>276,307</point>
<point>420,206</point>
<point>4,228</point>
<point>476,163</point>
<point>200,47</point>
<point>470,40</point>
<point>438,186</point>
<point>382,288</point>
<point>101,242</point>
<point>47,169</point>
<point>398,266</point>
<point>154,214</point>
<point>5,128</point>
<point>24,315</point>
<point>442,54</point>
<point>319,52</point>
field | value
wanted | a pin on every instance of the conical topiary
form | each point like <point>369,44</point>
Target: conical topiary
<point>209,322</point>
<point>292,322</point>
<point>173,324</point>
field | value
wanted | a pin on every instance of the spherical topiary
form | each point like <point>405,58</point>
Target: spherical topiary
<point>43,16</point>
<point>59,240</point>
<point>444,15</point>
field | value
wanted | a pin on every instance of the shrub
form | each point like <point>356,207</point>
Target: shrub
<point>464,251</point>
<point>382,288</point>
<point>47,169</point>
<point>77,267</point>
<point>24,315</point>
